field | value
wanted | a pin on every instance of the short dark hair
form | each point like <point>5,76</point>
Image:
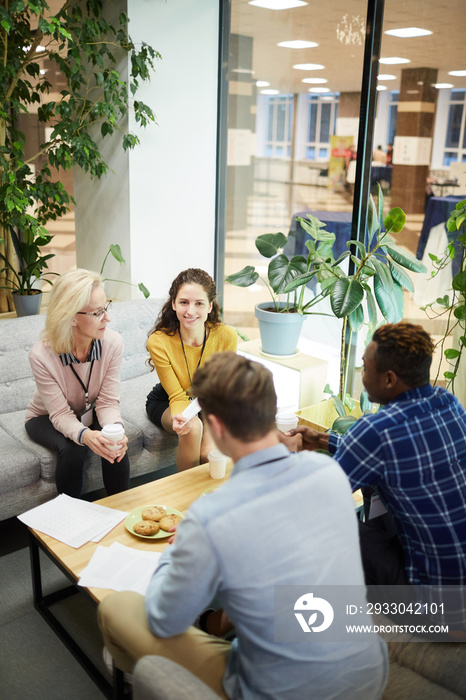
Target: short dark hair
<point>406,349</point>
<point>238,391</point>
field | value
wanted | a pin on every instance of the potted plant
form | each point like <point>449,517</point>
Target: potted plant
<point>453,305</point>
<point>380,274</point>
<point>30,268</point>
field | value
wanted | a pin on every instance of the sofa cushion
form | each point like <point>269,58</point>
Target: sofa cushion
<point>46,459</point>
<point>16,381</point>
<point>133,320</point>
<point>133,408</point>
<point>19,466</point>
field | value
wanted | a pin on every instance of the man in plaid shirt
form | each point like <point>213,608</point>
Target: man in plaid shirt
<point>413,453</point>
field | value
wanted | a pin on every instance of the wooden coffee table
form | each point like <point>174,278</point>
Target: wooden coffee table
<point>177,491</point>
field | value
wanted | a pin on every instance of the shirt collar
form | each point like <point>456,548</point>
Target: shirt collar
<point>419,392</point>
<point>95,353</point>
<point>256,459</point>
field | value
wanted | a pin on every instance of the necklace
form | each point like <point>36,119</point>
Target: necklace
<point>186,359</point>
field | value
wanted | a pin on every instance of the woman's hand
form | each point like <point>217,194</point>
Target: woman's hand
<point>180,425</point>
<point>101,445</point>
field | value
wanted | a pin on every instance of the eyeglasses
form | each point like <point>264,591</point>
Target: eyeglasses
<point>98,314</point>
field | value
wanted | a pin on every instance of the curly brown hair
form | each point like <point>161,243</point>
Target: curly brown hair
<point>406,349</point>
<point>167,320</point>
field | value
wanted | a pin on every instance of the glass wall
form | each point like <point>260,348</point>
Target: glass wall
<point>295,84</point>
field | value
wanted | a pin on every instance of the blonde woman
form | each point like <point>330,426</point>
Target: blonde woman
<point>76,366</point>
<point>187,332</point>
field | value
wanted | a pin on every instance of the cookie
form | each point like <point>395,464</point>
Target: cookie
<point>168,521</point>
<point>153,513</point>
<point>146,527</point>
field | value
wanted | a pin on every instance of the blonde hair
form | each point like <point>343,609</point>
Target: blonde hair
<point>70,293</point>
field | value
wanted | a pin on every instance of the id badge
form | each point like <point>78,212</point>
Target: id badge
<point>87,417</point>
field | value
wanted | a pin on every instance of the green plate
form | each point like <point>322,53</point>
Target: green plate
<point>211,490</point>
<point>136,516</point>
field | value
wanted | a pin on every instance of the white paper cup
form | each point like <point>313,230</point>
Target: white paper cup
<point>286,421</point>
<point>114,432</point>
<point>217,464</point>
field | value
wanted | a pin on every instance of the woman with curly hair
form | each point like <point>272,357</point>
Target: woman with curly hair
<point>186,333</point>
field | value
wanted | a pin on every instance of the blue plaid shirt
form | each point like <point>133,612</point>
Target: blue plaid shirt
<point>413,452</point>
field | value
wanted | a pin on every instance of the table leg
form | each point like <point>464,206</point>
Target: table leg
<point>42,604</point>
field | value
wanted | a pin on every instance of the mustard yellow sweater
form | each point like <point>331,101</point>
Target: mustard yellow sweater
<point>167,355</point>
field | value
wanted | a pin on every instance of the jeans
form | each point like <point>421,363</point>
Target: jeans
<point>69,473</point>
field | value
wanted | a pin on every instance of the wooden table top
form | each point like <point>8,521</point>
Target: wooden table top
<point>177,491</point>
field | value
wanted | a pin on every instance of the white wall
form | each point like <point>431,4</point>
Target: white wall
<point>159,203</point>
<point>173,173</point>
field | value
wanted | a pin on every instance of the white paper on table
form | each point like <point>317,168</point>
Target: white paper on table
<point>72,521</point>
<point>120,568</point>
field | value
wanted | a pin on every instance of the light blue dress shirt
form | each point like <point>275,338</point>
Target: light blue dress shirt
<point>282,519</point>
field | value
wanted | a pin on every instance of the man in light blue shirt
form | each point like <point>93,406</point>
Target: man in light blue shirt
<point>281,520</point>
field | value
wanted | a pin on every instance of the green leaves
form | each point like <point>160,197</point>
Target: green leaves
<point>346,296</point>
<point>269,244</point>
<point>244,278</point>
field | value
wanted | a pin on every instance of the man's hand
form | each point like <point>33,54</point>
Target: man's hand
<point>311,439</point>
<point>293,442</point>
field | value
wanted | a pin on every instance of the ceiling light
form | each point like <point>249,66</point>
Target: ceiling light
<point>270,92</point>
<point>262,83</point>
<point>439,86</point>
<point>459,73</point>
<point>298,44</point>
<point>247,71</point>
<point>308,66</point>
<point>386,76</point>
<point>319,89</point>
<point>381,87</point>
<point>277,4</point>
<point>408,32</point>
<point>393,60</point>
<point>315,81</point>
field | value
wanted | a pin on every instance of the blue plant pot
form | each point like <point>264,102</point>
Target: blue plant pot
<point>279,331</point>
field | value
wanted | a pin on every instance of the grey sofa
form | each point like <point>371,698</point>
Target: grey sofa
<point>156,678</point>
<point>27,470</point>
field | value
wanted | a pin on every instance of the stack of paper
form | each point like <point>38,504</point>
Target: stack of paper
<point>120,568</point>
<point>72,521</point>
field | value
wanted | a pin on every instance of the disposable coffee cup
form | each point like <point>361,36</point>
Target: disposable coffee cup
<point>217,464</point>
<point>114,432</point>
<point>286,421</point>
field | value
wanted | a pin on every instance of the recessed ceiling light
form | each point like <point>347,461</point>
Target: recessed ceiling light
<point>278,4</point>
<point>315,81</point>
<point>319,89</point>
<point>308,66</point>
<point>298,44</point>
<point>408,32</point>
<point>439,86</point>
<point>459,73</point>
<point>262,83</point>
<point>270,92</point>
<point>393,60</point>
<point>381,87</point>
<point>247,71</point>
<point>386,76</point>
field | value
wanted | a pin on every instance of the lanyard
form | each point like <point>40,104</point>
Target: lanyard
<point>85,389</point>
<point>186,359</point>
